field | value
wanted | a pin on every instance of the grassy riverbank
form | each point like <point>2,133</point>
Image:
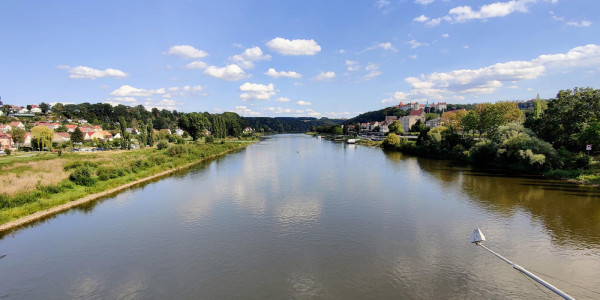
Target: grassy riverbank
<point>32,184</point>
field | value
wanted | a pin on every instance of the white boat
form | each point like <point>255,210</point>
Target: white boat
<point>351,141</point>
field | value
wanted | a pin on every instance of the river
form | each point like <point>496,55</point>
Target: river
<point>303,218</point>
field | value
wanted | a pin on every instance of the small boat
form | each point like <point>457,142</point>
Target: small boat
<point>351,141</point>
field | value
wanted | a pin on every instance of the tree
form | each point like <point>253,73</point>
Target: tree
<point>43,135</point>
<point>396,128</point>
<point>61,128</point>
<point>492,116</point>
<point>18,135</point>
<point>194,124</point>
<point>337,130</point>
<point>29,107</point>
<point>44,107</point>
<point>124,134</point>
<point>452,119</point>
<point>417,127</point>
<point>77,136</point>
<point>566,116</point>
<point>149,134</point>
<point>470,122</point>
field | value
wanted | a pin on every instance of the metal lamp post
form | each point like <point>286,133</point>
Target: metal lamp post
<point>477,238</point>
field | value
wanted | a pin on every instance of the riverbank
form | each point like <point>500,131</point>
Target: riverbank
<point>92,176</point>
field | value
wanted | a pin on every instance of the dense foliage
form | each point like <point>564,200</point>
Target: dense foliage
<point>288,124</point>
<point>377,115</point>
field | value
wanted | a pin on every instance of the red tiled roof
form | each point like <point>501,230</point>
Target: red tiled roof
<point>416,112</point>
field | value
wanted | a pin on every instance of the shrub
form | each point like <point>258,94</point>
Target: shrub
<point>106,173</point>
<point>176,150</point>
<point>7,151</point>
<point>78,163</point>
<point>162,145</point>
<point>83,176</point>
<point>210,139</point>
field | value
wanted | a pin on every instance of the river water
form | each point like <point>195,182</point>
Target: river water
<point>303,218</point>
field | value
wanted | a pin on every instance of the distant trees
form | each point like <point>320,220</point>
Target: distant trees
<point>44,107</point>
<point>194,123</point>
<point>396,128</point>
<point>18,135</point>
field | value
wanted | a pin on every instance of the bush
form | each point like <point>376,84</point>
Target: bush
<point>106,173</point>
<point>209,139</point>
<point>162,145</point>
<point>393,142</point>
<point>176,150</point>
<point>83,176</point>
<point>7,151</point>
<point>78,163</point>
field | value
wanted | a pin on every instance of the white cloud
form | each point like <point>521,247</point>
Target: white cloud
<point>465,13</point>
<point>283,99</point>
<point>230,72</point>
<point>196,65</point>
<point>372,70</point>
<point>161,104</point>
<point>380,4</point>
<point>445,35</point>
<point>423,2</point>
<point>341,51</point>
<point>245,111</point>
<point>186,51</point>
<point>281,110</point>
<point>184,90</point>
<point>121,100</point>
<point>257,91</point>
<point>293,47</point>
<point>414,44</point>
<point>249,56</point>
<point>488,79</point>
<point>396,98</point>
<point>414,56</point>
<point>583,23</point>
<point>129,91</point>
<point>82,72</point>
<point>421,19</point>
<point>276,74</point>
<point>352,65</point>
<point>385,46</point>
<point>325,75</point>
<point>301,102</point>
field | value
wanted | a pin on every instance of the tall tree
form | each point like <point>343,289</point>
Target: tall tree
<point>77,136</point>
<point>18,135</point>
<point>150,133</point>
<point>43,135</point>
<point>44,107</point>
<point>124,133</point>
<point>194,124</point>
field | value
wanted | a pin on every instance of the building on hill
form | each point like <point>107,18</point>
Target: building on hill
<point>60,137</point>
<point>71,128</point>
<point>35,109</point>
<point>4,128</point>
<point>433,123</point>
<point>390,119</point>
<point>441,107</point>
<point>17,124</point>
<point>5,141</point>
<point>412,118</point>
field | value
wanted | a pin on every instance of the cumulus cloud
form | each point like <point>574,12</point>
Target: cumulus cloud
<point>381,4</point>
<point>372,71</point>
<point>488,79</point>
<point>385,46</point>
<point>129,91</point>
<point>161,104</point>
<point>293,47</point>
<point>248,57</point>
<point>445,35</point>
<point>276,74</point>
<point>245,111</point>
<point>424,2</point>
<point>82,72</point>
<point>257,91</point>
<point>283,99</point>
<point>186,51</point>
<point>583,23</point>
<point>230,72</point>
<point>414,44</point>
<point>301,102</point>
<point>196,65</point>
<point>414,56</point>
<point>184,90</point>
<point>352,65</point>
<point>325,76</point>
<point>465,13</point>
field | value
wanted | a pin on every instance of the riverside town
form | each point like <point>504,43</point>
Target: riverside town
<point>379,149</point>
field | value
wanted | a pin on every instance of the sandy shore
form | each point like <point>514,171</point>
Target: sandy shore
<point>56,209</point>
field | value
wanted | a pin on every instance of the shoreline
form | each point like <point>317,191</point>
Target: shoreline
<point>89,198</point>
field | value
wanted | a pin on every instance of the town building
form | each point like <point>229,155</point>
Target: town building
<point>412,118</point>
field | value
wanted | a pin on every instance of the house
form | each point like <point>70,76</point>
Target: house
<point>441,107</point>
<point>47,124</point>
<point>433,123</point>
<point>364,126</point>
<point>17,124</point>
<point>106,135</point>
<point>27,140</point>
<point>97,128</point>
<point>372,125</point>
<point>54,126</point>
<point>383,127</point>
<point>408,106</point>
<point>178,131</point>
<point>22,110</point>
<point>116,136</point>
<point>60,137</point>
<point>86,129</point>
<point>71,128</point>
<point>134,131</point>
<point>36,109</point>
<point>248,130</point>
<point>390,119</point>
<point>1,113</point>
<point>98,135</point>
<point>5,141</point>
<point>4,128</point>
<point>412,118</point>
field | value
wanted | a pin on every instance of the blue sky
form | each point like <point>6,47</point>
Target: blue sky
<point>295,58</point>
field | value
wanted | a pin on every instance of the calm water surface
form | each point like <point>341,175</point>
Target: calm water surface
<point>302,218</point>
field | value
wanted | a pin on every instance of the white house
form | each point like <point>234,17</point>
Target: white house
<point>5,128</point>
<point>36,109</point>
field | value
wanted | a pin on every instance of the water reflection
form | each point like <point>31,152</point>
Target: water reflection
<point>569,211</point>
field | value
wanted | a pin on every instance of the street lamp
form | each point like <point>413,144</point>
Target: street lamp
<point>477,238</point>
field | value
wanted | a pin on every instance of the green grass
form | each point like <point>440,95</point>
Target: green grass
<point>115,170</point>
